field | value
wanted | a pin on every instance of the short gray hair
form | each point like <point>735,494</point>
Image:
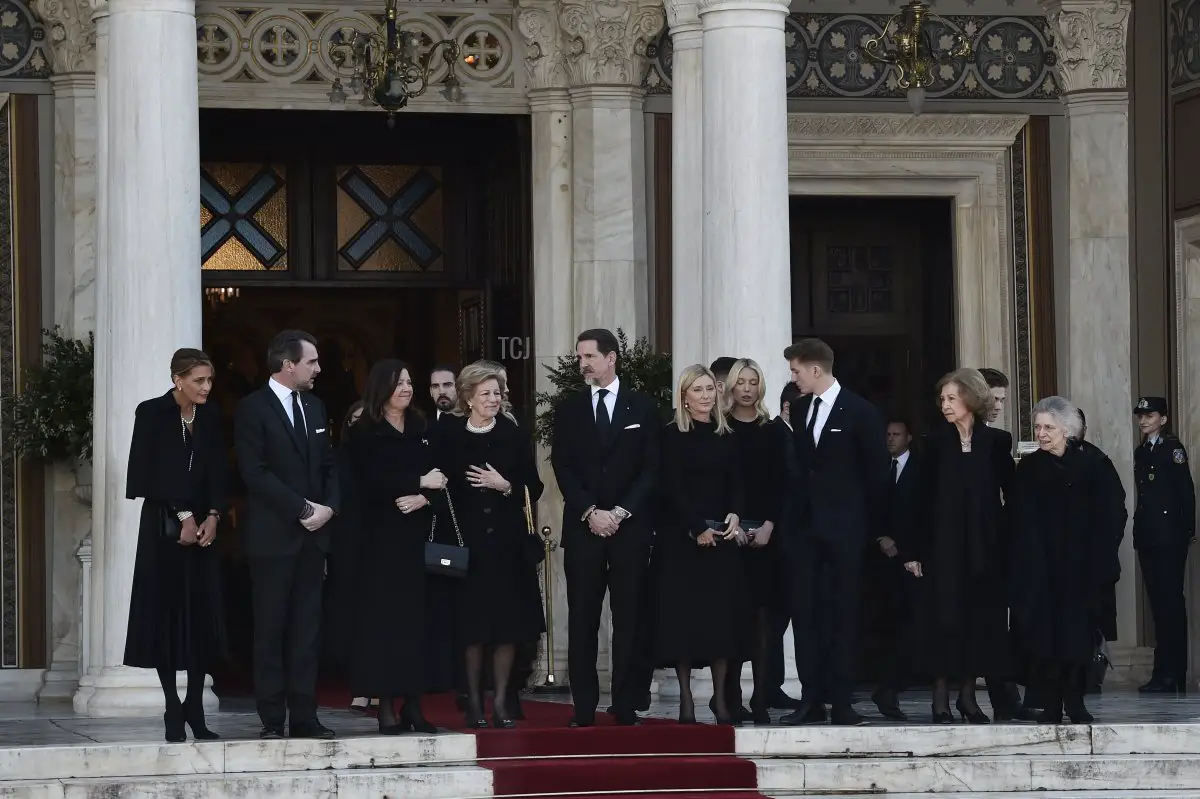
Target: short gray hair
<point>1065,415</point>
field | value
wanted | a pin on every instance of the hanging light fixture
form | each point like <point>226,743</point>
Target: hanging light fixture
<point>219,295</point>
<point>907,44</point>
<point>387,68</point>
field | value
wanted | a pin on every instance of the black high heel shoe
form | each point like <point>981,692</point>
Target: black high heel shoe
<point>975,716</point>
<point>173,721</point>
<point>501,721</point>
<point>414,720</point>
<point>759,714</point>
<point>194,716</point>
<point>941,716</point>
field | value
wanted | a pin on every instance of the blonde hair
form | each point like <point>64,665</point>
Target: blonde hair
<point>683,419</point>
<point>469,380</point>
<point>973,389</point>
<point>735,371</point>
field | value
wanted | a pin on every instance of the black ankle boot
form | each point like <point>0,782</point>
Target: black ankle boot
<point>193,714</point>
<point>173,721</point>
<point>412,718</point>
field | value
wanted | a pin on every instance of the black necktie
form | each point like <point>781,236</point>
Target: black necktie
<point>298,417</point>
<point>603,422</point>
<point>894,471</point>
<point>812,422</point>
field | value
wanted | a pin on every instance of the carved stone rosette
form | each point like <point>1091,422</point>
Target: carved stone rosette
<point>72,33</point>
<point>1090,41</point>
<point>588,42</point>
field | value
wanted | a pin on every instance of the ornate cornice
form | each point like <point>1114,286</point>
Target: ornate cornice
<point>1090,40</point>
<point>970,130</point>
<point>71,32</point>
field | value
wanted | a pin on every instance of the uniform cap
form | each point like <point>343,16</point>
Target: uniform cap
<point>1150,405</point>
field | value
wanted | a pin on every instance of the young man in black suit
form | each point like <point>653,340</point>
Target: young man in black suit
<point>286,461</point>
<point>605,458</point>
<point>839,477</point>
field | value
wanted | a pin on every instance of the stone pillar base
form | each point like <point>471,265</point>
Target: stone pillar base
<point>1131,666</point>
<point>20,685</point>
<point>62,681</point>
<point>122,691</point>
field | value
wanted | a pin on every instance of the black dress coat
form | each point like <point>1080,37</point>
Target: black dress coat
<point>499,601</point>
<point>960,539</point>
<point>1066,521</point>
<point>703,601</point>
<point>175,610</point>
<point>761,464</point>
<point>388,654</point>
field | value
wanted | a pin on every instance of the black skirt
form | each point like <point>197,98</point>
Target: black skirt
<point>703,603</point>
<point>176,619</point>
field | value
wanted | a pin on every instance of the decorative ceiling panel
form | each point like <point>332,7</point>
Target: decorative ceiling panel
<point>1184,44</point>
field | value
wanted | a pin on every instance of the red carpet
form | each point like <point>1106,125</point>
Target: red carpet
<point>544,757</point>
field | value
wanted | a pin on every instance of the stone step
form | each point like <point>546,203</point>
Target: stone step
<point>229,757</point>
<point>824,741</point>
<point>956,775</point>
<point>1040,795</point>
<point>454,782</point>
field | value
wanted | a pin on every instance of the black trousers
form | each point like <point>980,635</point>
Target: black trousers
<point>1163,569</point>
<point>895,619</point>
<point>826,612</point>
<point>593,566</point>
<point>287,623</point>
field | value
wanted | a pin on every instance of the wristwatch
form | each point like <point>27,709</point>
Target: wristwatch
<point>621,513</point>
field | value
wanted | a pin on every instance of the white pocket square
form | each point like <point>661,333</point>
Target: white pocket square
<point>835,429</point>
<point>632,426</point>
<point>320,430</point>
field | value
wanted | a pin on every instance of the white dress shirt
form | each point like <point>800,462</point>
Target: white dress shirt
<point>285,398</point>
<point>823,410</point>
<point>901,461</point>
<point>610,401</point>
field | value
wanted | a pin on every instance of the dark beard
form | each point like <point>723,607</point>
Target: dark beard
<point>444,404</point>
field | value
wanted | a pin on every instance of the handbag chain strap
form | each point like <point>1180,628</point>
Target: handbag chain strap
<point>453,520</point>
<point>528,513</point>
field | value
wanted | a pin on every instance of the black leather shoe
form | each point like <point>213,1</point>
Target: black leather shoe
<point>1163,685</point>
<point>781,701</point>
<point>269,733</point>
<point>846,716</point>
<point>578,722</point>
<point>888,705</point>
<point>627,719</point>
<point>807,713</point>
<point>313,730</point>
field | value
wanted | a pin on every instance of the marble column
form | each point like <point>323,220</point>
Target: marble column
<point>151,282</point>
<point>746,258</point>
<point>605,64</point>
<point>1090,42</point>
<point>687,182</point>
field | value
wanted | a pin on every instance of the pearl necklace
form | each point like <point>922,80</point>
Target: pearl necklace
<point>485,429</point>
<point>183,423</point>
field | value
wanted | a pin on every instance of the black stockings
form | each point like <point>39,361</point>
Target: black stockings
<point>687,705</point>
<point>195,690</point>
<point>966,695</point>
<point>502,664</point>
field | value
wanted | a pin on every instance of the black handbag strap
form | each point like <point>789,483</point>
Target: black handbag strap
<point>453,520</point>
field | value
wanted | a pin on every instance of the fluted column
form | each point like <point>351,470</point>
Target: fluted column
<point>1090,42</point>
<point>605,62</point>
<point>148,290</point>
<point>687,182</point>
<point>746,259</point>
<point>553,248</point>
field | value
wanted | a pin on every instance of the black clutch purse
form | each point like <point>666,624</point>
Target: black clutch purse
<point>446,559</point>
<point>169,526</point>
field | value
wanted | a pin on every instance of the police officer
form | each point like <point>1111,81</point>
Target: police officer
<point>1163,528</point>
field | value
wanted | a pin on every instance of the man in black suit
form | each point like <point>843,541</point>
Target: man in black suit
<point>285,457</point>
<point>605,458</point>
<point>903,507</point>
<point>839,477</point>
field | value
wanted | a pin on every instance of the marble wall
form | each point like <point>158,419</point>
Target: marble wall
<point>1187,363</point>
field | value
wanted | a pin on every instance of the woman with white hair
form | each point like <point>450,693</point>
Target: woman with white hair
<point>1068,508</point>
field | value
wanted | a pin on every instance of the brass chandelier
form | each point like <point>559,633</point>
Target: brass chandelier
<point>907,44</point>
<point>387,68</point>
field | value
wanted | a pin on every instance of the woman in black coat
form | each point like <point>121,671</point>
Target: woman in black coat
<point>394,471</point>
<point>179,465</point>
<point>1068,519</point>
<point>958,549</point>
<point>703,604</point>
<point>760,446</point>
<point>489,462</point>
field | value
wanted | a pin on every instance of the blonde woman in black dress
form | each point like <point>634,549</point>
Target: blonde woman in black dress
<point>702,599</point>
<point>760,441</point>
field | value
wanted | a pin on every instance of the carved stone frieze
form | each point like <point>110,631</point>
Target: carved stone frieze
<point>984,129</point>
<point>1090,39</point>
<point>72,33</point>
